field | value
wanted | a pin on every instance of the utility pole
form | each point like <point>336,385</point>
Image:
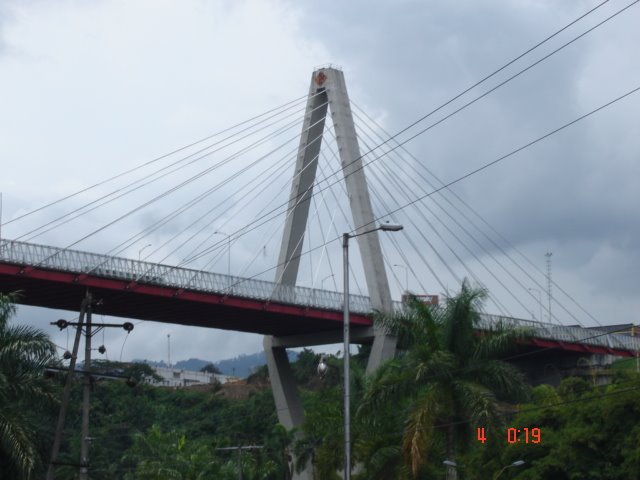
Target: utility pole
<point>57,439</point>
<point>548,255</point>
<point>86,394</point>
<point>169,349</point>
<point>85,311</point>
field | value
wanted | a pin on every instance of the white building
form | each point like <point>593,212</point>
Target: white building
<point>176,377</point>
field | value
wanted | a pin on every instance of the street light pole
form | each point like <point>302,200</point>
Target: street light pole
<point>406,276</point>
<point>323,280</point>
<point>539,300</point>
<point>142,250</point>
<point>346,333</point>
<point>517,463</point>
<point>451,466</point>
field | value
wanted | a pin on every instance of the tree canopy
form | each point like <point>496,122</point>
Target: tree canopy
<point>24,393</point>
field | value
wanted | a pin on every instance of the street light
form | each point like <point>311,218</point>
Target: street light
<point>385,227</point>
<point>517,463</point>
<point>406,276</point>
<point>450,465</point>
<point>325,278</point>
<point>322,367</point>
<point>539,300</point>
<point>142,250</point>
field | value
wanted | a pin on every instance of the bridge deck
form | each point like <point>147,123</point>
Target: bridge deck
<point>57,278</point>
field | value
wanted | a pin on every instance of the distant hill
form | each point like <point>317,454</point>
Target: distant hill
<point>193,364</point>
<point>240,366</point>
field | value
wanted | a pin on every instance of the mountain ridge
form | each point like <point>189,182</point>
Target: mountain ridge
<point>241,366</point>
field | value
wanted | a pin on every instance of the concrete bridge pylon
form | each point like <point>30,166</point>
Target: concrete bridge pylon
<point>327,92</point>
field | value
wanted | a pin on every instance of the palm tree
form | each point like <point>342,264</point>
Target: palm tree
<point>24,353</point>
<point>162,455</point>
<point>447,378</point>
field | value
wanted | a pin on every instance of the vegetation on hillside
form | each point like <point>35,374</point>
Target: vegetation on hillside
<point>445,375</point>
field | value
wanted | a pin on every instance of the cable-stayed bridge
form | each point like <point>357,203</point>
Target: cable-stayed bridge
<point>56,278</point>
<point>244,199</point>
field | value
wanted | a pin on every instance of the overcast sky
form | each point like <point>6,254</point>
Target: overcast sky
<point>89,89</point>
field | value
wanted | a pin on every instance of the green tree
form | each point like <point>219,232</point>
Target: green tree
<point>448,378</point>
<point>159,455</point>
<point>24,394</point>
<point>320,442</point>
<point>586,433</point>
<point>211,368</point>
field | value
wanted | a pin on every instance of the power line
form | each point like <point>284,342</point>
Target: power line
<point>503,67</point>
<point>517,150</point>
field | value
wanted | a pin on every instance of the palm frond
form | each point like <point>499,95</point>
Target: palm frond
<point>16,444</point>
<point>459,320</point>
<point>441,366</point>
<point>418,434</point>
<point>499,341</point>
<point>504,379</point>
<point>7,307</point>
<point>478,403</point>
<point>26,342</point>
<point>391,382</point>
<point>24,352</point>
<point>382,463</point>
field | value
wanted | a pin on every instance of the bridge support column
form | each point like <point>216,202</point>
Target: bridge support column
<point>327,91</point>
<point>285,393</point>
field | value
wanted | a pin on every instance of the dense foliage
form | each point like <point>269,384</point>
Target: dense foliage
<point>586,433</point>
<point>142,431</point>
<point>417,406</point>
<point>150,432</point>
<point>24,395</point>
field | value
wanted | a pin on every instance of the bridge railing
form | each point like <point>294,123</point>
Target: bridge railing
<point>551,331</point>
<point>76,261</point>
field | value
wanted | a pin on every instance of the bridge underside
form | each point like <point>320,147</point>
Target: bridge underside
<point>293,325</point>
<point>122,298</point>
<point>550,362</point>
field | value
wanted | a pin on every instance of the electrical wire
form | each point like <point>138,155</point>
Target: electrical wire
<point>404,142</point>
